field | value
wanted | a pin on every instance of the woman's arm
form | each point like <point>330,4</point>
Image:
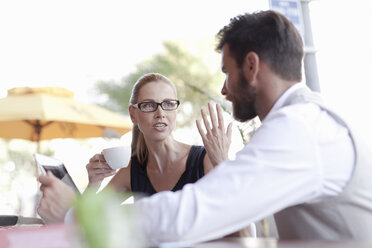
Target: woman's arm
<point>98,169</point>
<point>121,181</point>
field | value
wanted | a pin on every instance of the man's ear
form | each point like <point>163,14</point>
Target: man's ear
<point>251,66</point>
<point>131,114</point>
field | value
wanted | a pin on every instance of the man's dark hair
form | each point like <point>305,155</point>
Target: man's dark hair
<point>269,34</point>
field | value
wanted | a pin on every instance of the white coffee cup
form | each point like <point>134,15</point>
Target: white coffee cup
<point>117,157</point>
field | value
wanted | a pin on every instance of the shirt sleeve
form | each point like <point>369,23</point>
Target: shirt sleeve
<point>280,167</point>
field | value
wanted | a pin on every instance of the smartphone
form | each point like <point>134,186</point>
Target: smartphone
<point>47,163</point>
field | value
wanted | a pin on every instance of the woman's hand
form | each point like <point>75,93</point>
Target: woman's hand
<point>57,198</point>
<point>216,140</point>
<point>98,169</point>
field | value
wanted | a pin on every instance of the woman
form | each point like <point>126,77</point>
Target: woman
<point>159,162</point>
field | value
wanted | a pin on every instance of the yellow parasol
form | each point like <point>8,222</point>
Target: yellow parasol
<point>51,112</point>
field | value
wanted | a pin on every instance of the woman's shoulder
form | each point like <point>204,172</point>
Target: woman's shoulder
<point>197,153</point>
<point>136,165</point>
<point>193,152</point>
<point>197,149</point>
<point>195,161</point>
<point>121,181</point>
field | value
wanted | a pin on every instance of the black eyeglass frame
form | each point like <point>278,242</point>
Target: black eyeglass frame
<point>138,105</point>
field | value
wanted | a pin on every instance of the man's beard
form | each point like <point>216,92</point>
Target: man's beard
<point>243,101</point>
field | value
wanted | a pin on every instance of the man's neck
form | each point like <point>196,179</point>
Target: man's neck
<point>270,89</point>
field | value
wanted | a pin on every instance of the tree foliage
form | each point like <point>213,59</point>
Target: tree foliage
<point>181,67</point>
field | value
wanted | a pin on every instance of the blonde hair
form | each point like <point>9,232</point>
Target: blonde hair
<point>138,145</point>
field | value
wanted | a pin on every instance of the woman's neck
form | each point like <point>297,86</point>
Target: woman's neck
<point>164,153</point>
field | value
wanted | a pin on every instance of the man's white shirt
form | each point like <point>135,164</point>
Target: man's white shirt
<point>294,157</point>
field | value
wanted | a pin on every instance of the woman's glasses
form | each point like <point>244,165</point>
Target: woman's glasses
<point>166,105</point>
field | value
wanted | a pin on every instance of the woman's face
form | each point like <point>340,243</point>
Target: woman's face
<point>158,125</point>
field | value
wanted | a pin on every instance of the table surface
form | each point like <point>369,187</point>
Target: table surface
<point>57,236</point>
<point>272,243</point>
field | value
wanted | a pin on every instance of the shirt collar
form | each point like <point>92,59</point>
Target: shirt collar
<point>279,103</point>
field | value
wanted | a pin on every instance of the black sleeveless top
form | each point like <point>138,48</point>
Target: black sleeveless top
<point>141,184</point>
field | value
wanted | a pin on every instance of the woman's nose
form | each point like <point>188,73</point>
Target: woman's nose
<point>159,112</point>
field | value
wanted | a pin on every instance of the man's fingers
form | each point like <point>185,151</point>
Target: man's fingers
<point>50,174</point>
<point>212,115</point>
<point>220,117</point>
<point>49,195</point>
<point>205,120</point>
<point>229,131</point>
<point>200,129</point>
<point>47,179</point>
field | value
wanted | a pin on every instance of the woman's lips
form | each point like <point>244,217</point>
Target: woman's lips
<point>160,126</point>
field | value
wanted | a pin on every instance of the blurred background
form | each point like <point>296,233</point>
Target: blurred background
<point>98,49</point>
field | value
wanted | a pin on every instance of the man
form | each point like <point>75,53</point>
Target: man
<point>303,164</point>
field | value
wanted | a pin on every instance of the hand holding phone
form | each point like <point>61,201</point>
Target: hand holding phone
<point>46,163</point>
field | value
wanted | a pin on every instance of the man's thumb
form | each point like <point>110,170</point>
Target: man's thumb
<point>47,179</point>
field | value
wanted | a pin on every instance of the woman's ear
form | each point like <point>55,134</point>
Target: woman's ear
<point>251,66</point>
<point>132,115</point>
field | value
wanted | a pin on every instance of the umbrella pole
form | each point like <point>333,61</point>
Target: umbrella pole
<point>38,146</point>
<point>37,127</point>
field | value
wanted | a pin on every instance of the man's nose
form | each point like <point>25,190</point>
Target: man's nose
<point>224,89</point>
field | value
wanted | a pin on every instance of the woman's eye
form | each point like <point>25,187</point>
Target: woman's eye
<point>169,104</point>
<point>148,105</point>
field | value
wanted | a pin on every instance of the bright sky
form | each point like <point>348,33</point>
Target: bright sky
<point>75,43</point>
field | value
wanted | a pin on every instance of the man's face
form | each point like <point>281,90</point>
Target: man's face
<point>237,89</point>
